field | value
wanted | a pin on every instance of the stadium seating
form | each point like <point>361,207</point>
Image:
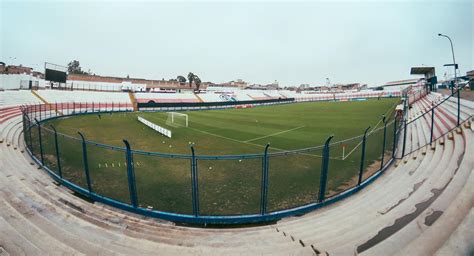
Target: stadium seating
<point>212,97</point>
<point>166,97</point>
<point>422,205</point>
<point>17,98</point>
<point>242,96</point>
<point>10,102</point>
<point>53,96</point>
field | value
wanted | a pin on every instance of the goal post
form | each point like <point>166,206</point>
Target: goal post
<point>177,119</point>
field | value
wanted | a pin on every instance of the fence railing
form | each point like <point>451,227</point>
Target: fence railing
<point>205,189</point>
<point>437,115</point>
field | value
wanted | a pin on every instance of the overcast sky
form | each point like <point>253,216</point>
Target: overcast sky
<point>293,43</point>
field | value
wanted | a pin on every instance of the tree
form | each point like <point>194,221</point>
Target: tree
<point>74,67</point>
<point>197,81</point>
<point>191,78</point>
<point>181,79</point>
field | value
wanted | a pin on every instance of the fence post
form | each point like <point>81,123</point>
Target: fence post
<point>324,170</point>
<point>194,180</point>
<point>40,141</point>
<point>432,124</point>
<point>404,137</point>
<point>24,124</point>
<point>362,158</point>
<point>384,139</point>
<point>73,107</point>
<point>264,186</point>
<point>57,150</point>
<point>395,139</point>
<point>459,105</point>
<point>394,147</point>
<point>131,175</point>
<point>29,137</point>
<point>86,164</point>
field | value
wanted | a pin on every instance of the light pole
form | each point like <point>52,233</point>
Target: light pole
<point>454,60</point>
<point>455,76</point>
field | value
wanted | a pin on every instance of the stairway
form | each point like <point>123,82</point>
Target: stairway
<point>133,100</point>
<point>47,105</point>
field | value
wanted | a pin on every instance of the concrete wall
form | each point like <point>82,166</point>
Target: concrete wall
<point>18,81</point>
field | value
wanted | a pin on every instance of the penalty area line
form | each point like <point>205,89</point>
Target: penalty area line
<point>257,145</point>
<point>277,133</point>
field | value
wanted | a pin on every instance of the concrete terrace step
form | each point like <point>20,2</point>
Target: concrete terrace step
<point>420,205</point>
<point>344,228</point>
<point>270,247</point>
<point>459,199</point>
<point>460,241</point>
<point>323,231</point>
<point>85,206</point>
<point>13,242</point>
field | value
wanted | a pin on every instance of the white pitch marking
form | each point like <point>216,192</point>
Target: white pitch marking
<point>277,133</point>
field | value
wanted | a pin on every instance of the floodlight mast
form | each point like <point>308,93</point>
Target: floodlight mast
<point>454,60</point>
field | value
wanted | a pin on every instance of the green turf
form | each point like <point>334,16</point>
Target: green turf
<point>225,186</point>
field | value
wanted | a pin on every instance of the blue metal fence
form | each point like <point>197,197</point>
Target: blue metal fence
<point>196,197</point>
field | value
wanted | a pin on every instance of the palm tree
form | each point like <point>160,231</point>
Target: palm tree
<point>197,81</point>
<point>191,78</point>
<point>181,79</point>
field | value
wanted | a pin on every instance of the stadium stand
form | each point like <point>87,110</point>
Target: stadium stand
<point>422,205</point>
<point>17,98</point>
<point>242,95</point>
<point>53,96</point>
<point>214,97</point>
<point>166,97</point>
<point>10,102</point>
<point>274,94</point>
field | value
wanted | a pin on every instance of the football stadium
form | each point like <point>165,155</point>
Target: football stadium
<point>108,164</point>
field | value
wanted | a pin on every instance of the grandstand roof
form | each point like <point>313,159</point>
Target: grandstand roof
<point>402,82</point>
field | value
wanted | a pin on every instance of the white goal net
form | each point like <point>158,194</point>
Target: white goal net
<point>177,119</point>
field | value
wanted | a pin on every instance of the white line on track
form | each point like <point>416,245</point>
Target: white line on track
<point>277,133</point>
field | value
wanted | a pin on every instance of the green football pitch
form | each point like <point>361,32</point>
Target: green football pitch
<point>230,186</point>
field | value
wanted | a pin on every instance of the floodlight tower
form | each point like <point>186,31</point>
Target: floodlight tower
<point>455,76</point>
<point>454,60</point>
